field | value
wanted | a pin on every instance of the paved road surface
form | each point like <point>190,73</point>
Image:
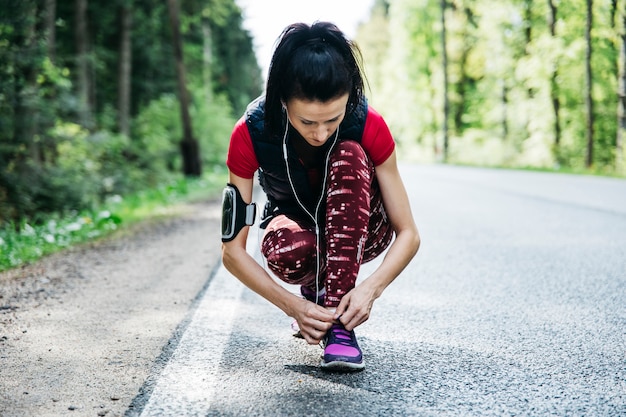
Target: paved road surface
<point>515,305</point>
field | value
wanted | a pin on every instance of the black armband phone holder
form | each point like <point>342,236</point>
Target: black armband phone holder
<point>235,213</point>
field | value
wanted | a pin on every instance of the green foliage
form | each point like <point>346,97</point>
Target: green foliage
<point>25,241</point>
<point>159,139</point>
<point>51,161</point>
<point>235,71</point>
<point>505,70</point>
<point>213,121</point>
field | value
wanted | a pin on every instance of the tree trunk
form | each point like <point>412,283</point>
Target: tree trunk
<point>528,37</point>
<point>446,102</point>
<point>588,85</point>
<point>460,102</point>
<point>207,56</point>
<point>25,110</point>
<point>48,149</point>
<point>505,109</point>
<point>82,64</point>
<point>189,146</point>
<point>621,125</point>
<point>528,25</point>
<point>554,88</point>
<point>461,86</point>
<point>125,66</point>
<point>50,28</point>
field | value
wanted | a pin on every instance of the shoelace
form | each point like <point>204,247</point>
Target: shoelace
<point>342,336</point>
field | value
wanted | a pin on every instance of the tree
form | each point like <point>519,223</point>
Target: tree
<point>465,82</point>
<point>50,28</point>
<point>589,84</point>
<point>235,71</point>
<point>554,74</point>
<point>189,145</point>
<point>125,68</point>
<point>512,74</point>
<point>74,74</point>
<point>83,65</point>
<point>621,99</point>
<point>444,58</point>
<point>374,42</point>
<point>25,112</point>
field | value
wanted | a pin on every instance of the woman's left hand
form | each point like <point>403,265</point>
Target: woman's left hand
<point>355,307</point>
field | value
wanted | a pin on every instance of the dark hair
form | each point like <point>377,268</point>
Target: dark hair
<point>314,62</point>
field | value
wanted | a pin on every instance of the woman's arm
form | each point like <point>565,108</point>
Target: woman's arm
<point>314,321</point>
<point>355,306</point>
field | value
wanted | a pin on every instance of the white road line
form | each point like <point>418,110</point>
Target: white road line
<point>188,381</point>
<point>186,385</point>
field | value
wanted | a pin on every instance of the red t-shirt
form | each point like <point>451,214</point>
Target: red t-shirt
<point>241,160</point>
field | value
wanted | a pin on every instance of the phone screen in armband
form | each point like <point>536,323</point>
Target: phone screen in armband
<point>228,213</point>
<point>236,214</point>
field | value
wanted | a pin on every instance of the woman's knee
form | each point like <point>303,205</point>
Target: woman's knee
<point>351,149</point>
<point>291,255</point>
<point>350,162</point>
<point>296,267</point>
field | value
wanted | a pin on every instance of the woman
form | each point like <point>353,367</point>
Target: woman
<point>327,163</point>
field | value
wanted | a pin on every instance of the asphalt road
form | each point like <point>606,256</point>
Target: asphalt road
<point>515,305</point>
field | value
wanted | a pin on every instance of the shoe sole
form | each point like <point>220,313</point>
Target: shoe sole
<point>340,366</point>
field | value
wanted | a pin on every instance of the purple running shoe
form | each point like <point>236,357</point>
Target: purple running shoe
<point>312,296</point>
<point>341,351</point>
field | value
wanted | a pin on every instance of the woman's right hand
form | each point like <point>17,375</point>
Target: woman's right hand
<point>314,320</point>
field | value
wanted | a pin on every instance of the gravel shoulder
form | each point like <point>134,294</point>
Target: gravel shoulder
<point>81,330</point>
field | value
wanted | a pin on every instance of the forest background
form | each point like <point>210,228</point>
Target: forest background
<point>102,100</point>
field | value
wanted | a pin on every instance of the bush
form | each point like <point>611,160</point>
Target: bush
<point>28,241</point>
<point>159,128</point>
<point>213,123</point>
<point>81,169</point>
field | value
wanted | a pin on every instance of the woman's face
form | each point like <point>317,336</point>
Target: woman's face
<point>314,120</point>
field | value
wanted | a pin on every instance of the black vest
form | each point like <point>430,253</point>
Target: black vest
<point>273,172</point>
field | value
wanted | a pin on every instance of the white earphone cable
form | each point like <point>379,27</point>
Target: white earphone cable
<point>313,217</point>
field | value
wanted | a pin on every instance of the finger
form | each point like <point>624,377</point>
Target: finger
<point>323,314</point>
<point>313,336</point>
<point>310,340</point>
<point>350,325</point>
<point>361,320</point>
<point>356,319</point>
<point>342,307</point>
<point>316,328</point>
<point>347,316</point>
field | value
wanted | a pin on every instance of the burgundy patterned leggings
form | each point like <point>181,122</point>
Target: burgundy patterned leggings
<point>357,230</point>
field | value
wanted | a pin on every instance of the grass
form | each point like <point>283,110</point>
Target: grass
<point>24,243</point>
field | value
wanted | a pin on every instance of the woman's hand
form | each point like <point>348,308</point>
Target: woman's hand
<point>355,307</point>
<point>313,320</point>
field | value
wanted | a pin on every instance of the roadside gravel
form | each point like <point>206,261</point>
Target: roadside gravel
<point>81,330</point>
